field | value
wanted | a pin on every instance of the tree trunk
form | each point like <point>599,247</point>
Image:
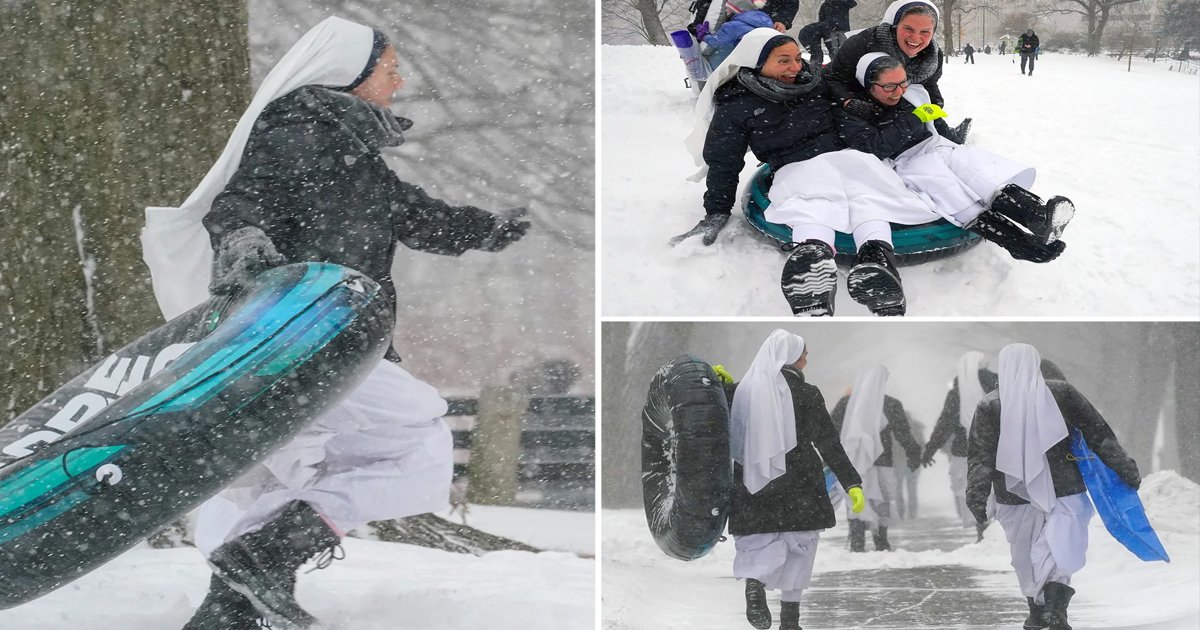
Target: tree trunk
<point>655,33</point>
<point>947,8</point>
<point>1186,342</point>
<point>617,433</point>
<point>113,107</point>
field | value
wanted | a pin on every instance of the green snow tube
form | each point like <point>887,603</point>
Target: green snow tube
<point>914,244</point>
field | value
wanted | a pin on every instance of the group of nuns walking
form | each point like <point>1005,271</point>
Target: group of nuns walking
<point>1010,459</point>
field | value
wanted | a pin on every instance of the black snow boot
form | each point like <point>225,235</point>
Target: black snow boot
<point>789,616</point>
<point>957,134</point>
<point>262,564</point>
<point>1045,220</point>
<point>757,612</point>
<point>1021,245</point>
<point>223,609</point>
<point>1034,620</point>
<point>858,536</point>
<point>1058,596</point>
<point>873,280</point>
<point>809,278</point>
<point>879,537</point>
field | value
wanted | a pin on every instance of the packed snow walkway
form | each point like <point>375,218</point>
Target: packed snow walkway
<point>937,576</point>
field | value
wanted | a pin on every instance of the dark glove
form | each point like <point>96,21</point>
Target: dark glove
<point>241,255</point>
<point>980,527</point>
<point>709,226</point>
<point>1133,479</point>
<point>927,458</point>
<point>509,229</point>
<point>701,31</point>
<point>957,135</point>
<point>865,110</point>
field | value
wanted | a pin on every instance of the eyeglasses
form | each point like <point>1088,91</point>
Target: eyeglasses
<point>892,87</point>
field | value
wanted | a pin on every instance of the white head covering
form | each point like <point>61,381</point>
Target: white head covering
<point>889,16</point>
<point>860,71</point>
<point>864,418</point>
<point>175,244</point>
<point>744,55</point>
<point>970,390</point>
<point>1030,423</point>
<point>762,418</point>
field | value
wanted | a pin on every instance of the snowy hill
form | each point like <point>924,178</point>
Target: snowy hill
<point>937,578</point>
<point>378,586</point>
<point>1124,146</point>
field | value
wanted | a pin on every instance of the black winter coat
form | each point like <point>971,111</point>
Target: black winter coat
<point>836,13</point>
<point>948,423</point>
<point>840,72</point>
<point>796,501</point>
<point>782,11</point>
<point>887,135</point>
<point>778,133</point>
<point>983,478</point>
<point>1028,44</point>
<point>897,426</point>
<point>313,180</point>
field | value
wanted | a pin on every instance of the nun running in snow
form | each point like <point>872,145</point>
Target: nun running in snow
<point>780,434</point>
<point>867,419</point>
<point>1020,450</point>
<point>972,380</point>
<point>970,187</point>
<point>303,178</point>
<point>766,98</point>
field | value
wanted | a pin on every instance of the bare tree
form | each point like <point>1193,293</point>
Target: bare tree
<point>641,19</point>
<point>1095,15</point>
<point>1179,23</point>
<point>112,106</point>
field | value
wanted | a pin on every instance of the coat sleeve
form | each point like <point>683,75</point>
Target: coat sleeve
<point>931,85</point>
<point>838,415</point>
<point>946,423</point>
<point>1100,437</point>
<point>884,140</point>
<point>898,420</point>
<point>783,11</point>
<point>827,440</point>
<point>431,225</point>
<point>981,458</point>
<point>840,71</point>
<point>725,153</point>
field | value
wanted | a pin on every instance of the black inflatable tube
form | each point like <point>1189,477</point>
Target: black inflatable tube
<point>687,474</point>
<point>302,338</point>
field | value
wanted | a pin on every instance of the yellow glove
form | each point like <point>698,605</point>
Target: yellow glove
<point>857,500</point>
<point>723,374</point>
<point>929,113</point>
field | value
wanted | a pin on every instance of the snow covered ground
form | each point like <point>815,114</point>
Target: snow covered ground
<point>937,578</point>
<point>379,586</point>
<point>1124,146</point>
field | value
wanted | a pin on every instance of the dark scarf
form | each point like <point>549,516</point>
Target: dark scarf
<point>919,68</point>
<point>778,91</point>
<point>376,128</point>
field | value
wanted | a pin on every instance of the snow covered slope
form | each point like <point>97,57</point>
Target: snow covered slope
<point>1124,146</point>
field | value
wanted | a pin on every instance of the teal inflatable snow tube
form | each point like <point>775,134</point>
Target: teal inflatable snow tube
<point>914,244</point>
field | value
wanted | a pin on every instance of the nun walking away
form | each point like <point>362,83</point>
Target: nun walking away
<point>971,381</point>
<point>867,419</point>
<point>780,434</point>
<point>766,98</point>
<point>1020,450</point>
<point>303,178</point>
<point>905,33</point>
<point>970,187</point>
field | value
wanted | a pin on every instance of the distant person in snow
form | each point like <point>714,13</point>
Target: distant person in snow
<point>972,380</point>
<point>303,179</point>
<point>780,504</point>
<point>906,33</point>
<point>968,186</point>
<point>970,54</point>
<point>1020,450</point>
<point>812,37</point>
<point>987,49</point>
<point>766,98</point>
<point>1027,45</point>
<point>836,15</point>
<point>1002,46</point>
<point>867,419</point>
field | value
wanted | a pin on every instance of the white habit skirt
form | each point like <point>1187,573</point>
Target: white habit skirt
<point>780,560</point>
<point>958,180</point>
<point>1047,547</point>
<point>842,190</point>
<point>382,453</point>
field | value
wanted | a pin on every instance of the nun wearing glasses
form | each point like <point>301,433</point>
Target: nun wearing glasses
<point>303,179</point>
<point>1020,451</point>
<point>780,433</point>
